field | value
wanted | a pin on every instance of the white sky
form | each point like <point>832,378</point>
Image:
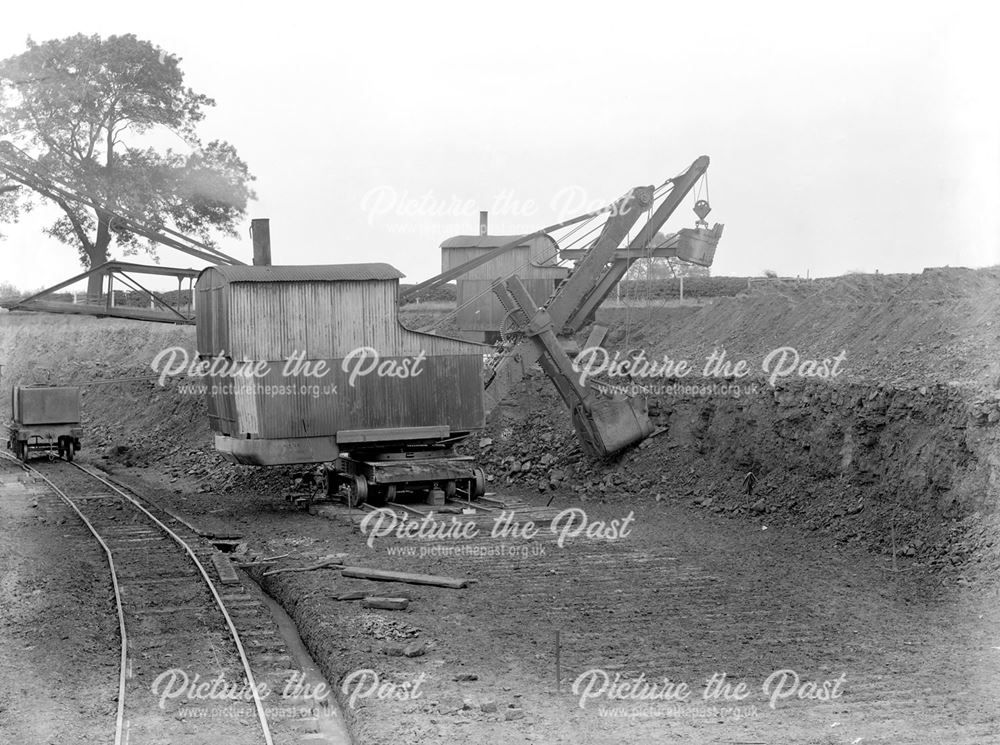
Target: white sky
<point>846,136</point>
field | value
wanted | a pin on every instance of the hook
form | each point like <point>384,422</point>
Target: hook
<point>701,209</point>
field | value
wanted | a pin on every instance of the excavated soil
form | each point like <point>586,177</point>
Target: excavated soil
<point>868,547</point>
<point>902,330</point>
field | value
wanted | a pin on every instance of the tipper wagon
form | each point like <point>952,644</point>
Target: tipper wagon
<point>45,418</point>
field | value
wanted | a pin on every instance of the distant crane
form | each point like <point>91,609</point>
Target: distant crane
<point>25,170</point>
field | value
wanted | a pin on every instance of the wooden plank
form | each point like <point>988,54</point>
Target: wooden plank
<point>392,433</point>
<point>386,575</point>
<point>358,595</point>
<point>386,603</point>
<point>225,569</point>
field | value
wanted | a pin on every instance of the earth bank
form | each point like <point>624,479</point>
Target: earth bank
<point>893,466</point>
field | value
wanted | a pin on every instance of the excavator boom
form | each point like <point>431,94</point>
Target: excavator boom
<point>604,425</point>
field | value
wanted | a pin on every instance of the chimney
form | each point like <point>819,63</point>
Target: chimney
<point>482,223</point>
<point>260,231</point>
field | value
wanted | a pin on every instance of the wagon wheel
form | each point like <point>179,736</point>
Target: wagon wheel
<point>450,489</point>
<point>21,450</point>
<point>477,484</point>
<point>380,494</point>
<point>357,491</point>
<point>69,451</point>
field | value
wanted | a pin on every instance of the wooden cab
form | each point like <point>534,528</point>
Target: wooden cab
<point>307,361</point>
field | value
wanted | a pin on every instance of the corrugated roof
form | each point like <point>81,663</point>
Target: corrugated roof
<point>309,273</point>
<point>485,241</point>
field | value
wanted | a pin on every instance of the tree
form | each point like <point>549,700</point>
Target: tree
<point>9,211</point>
<point>92,111</point>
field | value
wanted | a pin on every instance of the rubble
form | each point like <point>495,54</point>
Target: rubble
<point>386,629</point>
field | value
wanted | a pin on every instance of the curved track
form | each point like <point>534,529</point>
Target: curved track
<point>175,629</point>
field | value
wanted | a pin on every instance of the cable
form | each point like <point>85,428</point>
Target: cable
<point>545,258</point>
<point>658,193</point>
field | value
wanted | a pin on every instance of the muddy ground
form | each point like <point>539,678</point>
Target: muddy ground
<point>58,626</point>
<point>689,593</point>
<point>868,553</point>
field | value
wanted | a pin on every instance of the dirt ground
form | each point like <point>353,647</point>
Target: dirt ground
<point>685,596</point>
<point>58,628</point>
<point>864,565</point>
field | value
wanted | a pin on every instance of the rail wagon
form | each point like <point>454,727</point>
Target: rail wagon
<point>45,418</point>
<point>309,364</point>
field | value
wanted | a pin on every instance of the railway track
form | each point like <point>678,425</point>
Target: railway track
<point>189,645</point>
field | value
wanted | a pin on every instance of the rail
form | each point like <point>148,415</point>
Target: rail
<point>123,673</point>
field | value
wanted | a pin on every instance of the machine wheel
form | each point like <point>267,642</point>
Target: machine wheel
<point>477,484</point>
<point>450,489</point>
<point>357,491</point>
<point>380,494</point>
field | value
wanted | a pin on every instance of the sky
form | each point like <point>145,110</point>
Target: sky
<point>843,137</point>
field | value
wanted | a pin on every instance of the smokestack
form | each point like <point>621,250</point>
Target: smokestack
<point>482,223</point>
<point>260,231</point>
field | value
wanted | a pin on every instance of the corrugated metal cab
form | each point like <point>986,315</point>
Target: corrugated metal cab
<point>313,361</point>
<point>480,314</point>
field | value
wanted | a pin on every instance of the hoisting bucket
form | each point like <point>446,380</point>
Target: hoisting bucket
<point>697,245</point>
<point>611,425</point>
